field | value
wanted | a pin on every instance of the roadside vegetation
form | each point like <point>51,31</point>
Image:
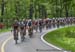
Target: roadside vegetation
<point>63,38</point>
<point>4,30</point>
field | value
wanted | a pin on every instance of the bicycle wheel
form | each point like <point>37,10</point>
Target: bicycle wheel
<point>15,36</point>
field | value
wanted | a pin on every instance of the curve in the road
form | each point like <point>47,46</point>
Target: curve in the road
<point>42,38</point>
<point>47,42</point>
<point>4,43</point>
<point>34,43</point>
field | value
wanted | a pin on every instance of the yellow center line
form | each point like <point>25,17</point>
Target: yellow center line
<point>4,43</point>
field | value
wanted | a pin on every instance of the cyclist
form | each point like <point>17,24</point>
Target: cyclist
<point>21,25</point>
<point>49,23</point>
<point>46,23</point>
<point>25,26</point>
<point>58,23</point>
<point>40,25</point>
<point>15,30</point>
<point>30,30</point>
<point>36,25</point>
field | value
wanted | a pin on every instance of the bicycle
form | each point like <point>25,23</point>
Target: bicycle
<point>30,30</point>
<point>16,36</point>
<point>22,34</point>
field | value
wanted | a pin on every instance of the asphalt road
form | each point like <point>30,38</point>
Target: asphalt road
<point>33,44</point>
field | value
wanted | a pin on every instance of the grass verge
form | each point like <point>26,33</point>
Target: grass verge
<point>4,30</point>
<point>63,38</point>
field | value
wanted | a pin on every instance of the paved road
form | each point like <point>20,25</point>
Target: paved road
<point>34,44</point>
<point>3,37</point>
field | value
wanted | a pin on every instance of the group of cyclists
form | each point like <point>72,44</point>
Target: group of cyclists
<point>30,25</point>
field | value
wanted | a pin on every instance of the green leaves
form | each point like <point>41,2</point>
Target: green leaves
<point>52,8</point>
<point>64,37</point>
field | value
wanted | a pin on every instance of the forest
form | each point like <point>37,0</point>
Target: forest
<point>35,9</point>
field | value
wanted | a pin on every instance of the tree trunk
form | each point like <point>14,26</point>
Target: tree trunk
<point>2,8</point>
<point>66,10</point>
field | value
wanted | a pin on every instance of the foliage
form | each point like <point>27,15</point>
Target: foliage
<point>63,38</point>
<point>4,30</point>
<point>10,9</point>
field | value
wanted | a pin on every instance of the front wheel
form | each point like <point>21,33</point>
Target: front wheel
<point>30,33</point>
<point>16,42</point>
<point>40,29</point>
<point>16,36</point>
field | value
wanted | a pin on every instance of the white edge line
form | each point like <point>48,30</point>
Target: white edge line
<point>49,44</point>
<point>4,43</point>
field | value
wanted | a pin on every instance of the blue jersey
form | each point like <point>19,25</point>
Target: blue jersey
<point>30,23</point>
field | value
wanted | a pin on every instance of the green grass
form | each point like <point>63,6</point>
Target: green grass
<point>4,30</point>
<point>63,38</point>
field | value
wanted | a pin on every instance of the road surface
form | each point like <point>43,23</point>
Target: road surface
<point>34,44</point>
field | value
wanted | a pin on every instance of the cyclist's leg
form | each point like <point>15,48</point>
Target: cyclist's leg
<point>40,29</point>
<point>24,32</point>
<point>21,33</point>
<point>36,28</point>
<point>30,32</point>
<point>15,35</point>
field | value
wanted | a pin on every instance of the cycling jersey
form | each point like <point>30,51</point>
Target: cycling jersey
<point>25,23</point>
<point>21,25</point>
<point>30,23</point>
<point>15,25</point>
<point>40,23</point>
